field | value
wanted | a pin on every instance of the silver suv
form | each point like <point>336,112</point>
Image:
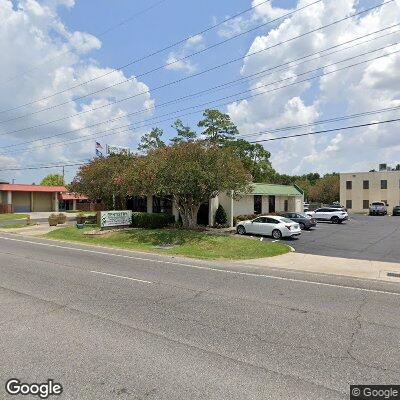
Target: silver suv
<point>378,208</point>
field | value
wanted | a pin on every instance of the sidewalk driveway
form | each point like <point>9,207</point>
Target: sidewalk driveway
<point>362,237</point>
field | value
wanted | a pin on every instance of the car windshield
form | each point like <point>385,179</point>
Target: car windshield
<point>377,204</point>
<point>286,220</point>
<point>303,215</point>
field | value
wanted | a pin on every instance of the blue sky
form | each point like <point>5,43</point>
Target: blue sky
<point>60,43</point>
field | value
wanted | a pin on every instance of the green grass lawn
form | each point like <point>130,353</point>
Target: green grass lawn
<point>184,243</point>
<point>10,217</point>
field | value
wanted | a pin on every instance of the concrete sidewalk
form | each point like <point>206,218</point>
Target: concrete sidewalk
<point>365,269</point>
<point>35,230</point>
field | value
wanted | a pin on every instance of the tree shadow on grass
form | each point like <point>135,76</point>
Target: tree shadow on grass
<point>157,237</point>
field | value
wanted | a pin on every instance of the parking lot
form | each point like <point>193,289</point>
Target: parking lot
<point>362,237</point>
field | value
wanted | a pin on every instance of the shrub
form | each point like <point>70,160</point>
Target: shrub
<point>220,216</point>
<point>80,218</point>
<point>243,218</point>
<point>62,218</point>
<point>152,221</point>
<point>53,219</point>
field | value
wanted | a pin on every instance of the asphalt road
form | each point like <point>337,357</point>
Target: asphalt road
<point>362,237</point>
<point>111,324</point>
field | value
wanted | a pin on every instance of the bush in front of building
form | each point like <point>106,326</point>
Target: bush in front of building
<point>53,219</point>
<point>220,216</point>
<point>151,220</point>
<point>243,218</point>
<point>62,218</point>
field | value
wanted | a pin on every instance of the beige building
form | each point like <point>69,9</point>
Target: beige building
<point>38,198</point>
<point>263,198</point>
<point>359,189</point>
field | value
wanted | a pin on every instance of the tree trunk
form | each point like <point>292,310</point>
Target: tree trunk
<point>188,213</point>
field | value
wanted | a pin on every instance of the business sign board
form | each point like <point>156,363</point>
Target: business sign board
<point>109,219</point>
<point>112,149</point>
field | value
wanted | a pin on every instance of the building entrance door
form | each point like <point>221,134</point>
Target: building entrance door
<point>271,204</point>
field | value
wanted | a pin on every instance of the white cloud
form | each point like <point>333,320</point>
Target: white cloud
<point>194,40</point>
<point>371,86</point>
<point>176,61</point>
<point>44,57</point>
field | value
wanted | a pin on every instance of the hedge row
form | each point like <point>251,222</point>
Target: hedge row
<point>152,221</point>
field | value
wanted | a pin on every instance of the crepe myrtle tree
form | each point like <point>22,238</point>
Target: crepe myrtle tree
<point>104,178</point>
<point>192,173</point>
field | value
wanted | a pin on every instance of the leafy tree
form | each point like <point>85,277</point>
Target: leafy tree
<point>326,190</point>
<point>53,180</point>
<point>192,173</point>
<point>254,157</point>
<point>103,179</point>
<point>218,126</point>
<point>220,216</point>
<point>185,134</point>
<point>305,185</point>
<point>151,141</point>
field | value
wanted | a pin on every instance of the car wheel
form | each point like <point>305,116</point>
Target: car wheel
<point>241,230</point>
<point>335,220</point>
<point>276,234</point>
<point>302,226</point>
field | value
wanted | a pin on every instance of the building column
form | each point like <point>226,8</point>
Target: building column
<point>74,205</point>
<point>55,202</point>
<point>32,206</point>
<point>230,211</point>
<point>213,206</point>
<point>9,197</point>
<point>149,204</point>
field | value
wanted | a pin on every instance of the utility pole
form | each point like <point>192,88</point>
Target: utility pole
<point>63,173</point>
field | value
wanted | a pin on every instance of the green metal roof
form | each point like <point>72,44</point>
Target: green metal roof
<point>274,190</point>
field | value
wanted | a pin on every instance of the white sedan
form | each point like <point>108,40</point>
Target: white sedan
<point>269,225</point>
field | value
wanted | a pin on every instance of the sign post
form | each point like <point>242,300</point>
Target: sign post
<point>114,219</point>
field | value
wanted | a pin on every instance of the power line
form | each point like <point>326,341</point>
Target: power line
<point>327,131</point>
<point>42,167</point>
<point>151,55</point>
<point>320,122</point>
<point>218,87</point>
<point>178,81</point>
<point>100,34</point>
<point>254,141</point>
<point>130,126</point>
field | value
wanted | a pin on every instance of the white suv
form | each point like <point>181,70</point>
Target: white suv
<point>334,215</point>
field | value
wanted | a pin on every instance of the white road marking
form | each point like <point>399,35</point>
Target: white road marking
<point>225,271</point>
<point>120,276</point>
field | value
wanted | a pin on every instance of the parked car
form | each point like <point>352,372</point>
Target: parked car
<point>269,225</point>
<point>304,220</point>
<point>334,215</point>
<point>378,208</point>
<point>306,206</point>
<point>396,211</point>
<point>337,206</point>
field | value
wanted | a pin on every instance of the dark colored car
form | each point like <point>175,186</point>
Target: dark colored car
<point>396,211</point>
<point>304,220</point>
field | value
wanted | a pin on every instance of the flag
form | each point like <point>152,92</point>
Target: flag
<point>98,146</point>
<point>99,153</point>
